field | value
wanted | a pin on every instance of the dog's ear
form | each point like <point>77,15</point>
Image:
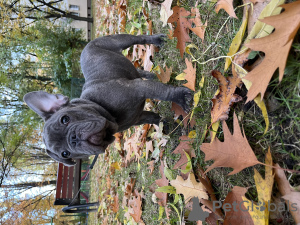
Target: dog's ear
<point>45,104</point>
<point>66,162</point>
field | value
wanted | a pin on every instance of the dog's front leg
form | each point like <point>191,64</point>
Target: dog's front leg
<point>156,90</point>
<point>117,43</point>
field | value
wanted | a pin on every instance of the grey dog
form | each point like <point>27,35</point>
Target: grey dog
<point>112,100</point>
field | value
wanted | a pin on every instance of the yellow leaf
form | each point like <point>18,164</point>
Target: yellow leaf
<point>192,134</point>
<point>215,127</point>
<point>260,213</point>
<point>180,76</point>
<point>236,42</point>
<point>197,96</point>
<point>187,48</point>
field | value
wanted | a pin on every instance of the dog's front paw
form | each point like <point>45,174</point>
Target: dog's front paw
<point>159,39</point>
<point>184,98</point>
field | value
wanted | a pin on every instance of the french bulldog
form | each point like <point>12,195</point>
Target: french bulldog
<point>112,100</point>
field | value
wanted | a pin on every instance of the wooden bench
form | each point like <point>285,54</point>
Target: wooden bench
<point>67,189</point>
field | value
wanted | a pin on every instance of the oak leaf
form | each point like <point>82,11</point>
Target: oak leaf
<point>227,6</point>
<point>165,11</point>
<point>234,152</point>
<point>178,111</point>
<point>136,204</point>
<point>183,148</point>
<point>189,188</point>
<point>190,75</point>
<point>164,76</point>
<point>199,28</point>
<point>239,214</point>
<point>289,194</point>
<point>276,47</point>
<point>226,97</point>
<point>163,181</point>
<point>182,28</point>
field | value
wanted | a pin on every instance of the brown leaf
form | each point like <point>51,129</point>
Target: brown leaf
<point>151,166</point>
<point>227,6</point>
<point>276,47</point>
<point>184,146</point>
<point>129,188</point>
<point>115,206</point>
<point>181,31</point>
<point>238,214</point>
<point>226,97</point>
<point>190,76</point>
<point>163,181</point>
<point>136,204</point>
<point>288,193</point>
<point>180,112</point>
<point>122,11</point>
<point>199,28</point>
<point>234,152</point>
<point>163,76</point>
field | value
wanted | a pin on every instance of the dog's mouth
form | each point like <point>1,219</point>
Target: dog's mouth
<point>102,138</point>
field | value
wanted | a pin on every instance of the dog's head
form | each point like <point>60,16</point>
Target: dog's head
<point>72,130</point>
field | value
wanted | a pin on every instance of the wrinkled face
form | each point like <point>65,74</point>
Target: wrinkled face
<point>76,132</point>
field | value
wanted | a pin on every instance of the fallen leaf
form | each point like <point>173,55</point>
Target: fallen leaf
<point>237,40</point>
<point>234,152</point>
<point>289,194</point>
<point>227,6</point>
<point>190,75</point>
<point>184,148</point>
<point>136,204</point>
<point>226,97</point>
<point>151,166</point>
<point>199,28</point>
<point>165,11</point>
<point>115,205</point>
<point>163,181</point>
<point>237,213</point>
<point>163,76</point>
<point>178,111</point>
<point>189,188</point>
<point>260,212</point>
<point>181,31</point>
<point>276,47</point>
<point>116,165</point>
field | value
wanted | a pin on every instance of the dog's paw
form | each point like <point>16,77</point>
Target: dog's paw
<point>184,98</point>
<point>159,39</point>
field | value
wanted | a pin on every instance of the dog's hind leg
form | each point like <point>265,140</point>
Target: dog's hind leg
<point>148,117</point>
<point>119,42</point>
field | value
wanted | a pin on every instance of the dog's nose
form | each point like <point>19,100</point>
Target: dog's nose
<point>73,139</point>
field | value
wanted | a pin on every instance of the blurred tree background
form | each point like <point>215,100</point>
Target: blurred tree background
<point>39,51</point>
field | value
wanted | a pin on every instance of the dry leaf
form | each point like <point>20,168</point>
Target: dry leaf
<point>189,188</point>
<point>260,213</point>
<point>226,97</point>
<point>163,76</point>
<point>180,112</point>
<point>227,6</point>
<point>181,31</point>
<point>199,28</point>
<point>288,193</point>
<point>234,152</point>
<point>165,11</point>
<point>276,47</point>
<point>183,148</point>
<point>136,204</point>
<point>115,206</point>
<point>163,181</point>
<point>151,166</point>
<point>239,214</point>
<point>190,75</point>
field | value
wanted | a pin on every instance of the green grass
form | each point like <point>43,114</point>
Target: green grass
<point>283,108</point>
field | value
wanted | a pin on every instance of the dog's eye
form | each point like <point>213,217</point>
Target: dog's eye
<point>65,120</point>
<point>65,154</point>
